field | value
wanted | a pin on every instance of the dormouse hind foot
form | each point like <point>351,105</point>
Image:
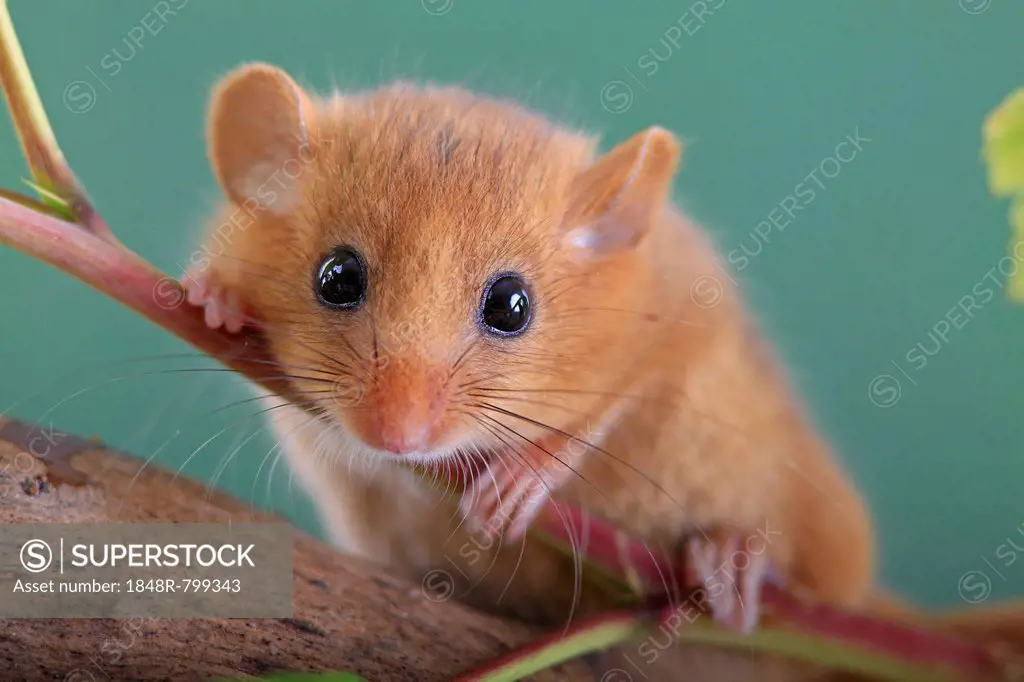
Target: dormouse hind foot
<point>221,308</point>
<point>729,568</point>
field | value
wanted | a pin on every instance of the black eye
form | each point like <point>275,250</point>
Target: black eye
<point>341,279</point>
<point>506,306</point>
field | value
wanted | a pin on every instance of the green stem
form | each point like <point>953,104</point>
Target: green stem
<point>601,633</point>
<point>38,142</point>
<point>33,204</point>
<point>618,628</point>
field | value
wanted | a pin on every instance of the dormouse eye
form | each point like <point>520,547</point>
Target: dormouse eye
<point>506,306</point>
<point>341,279</point>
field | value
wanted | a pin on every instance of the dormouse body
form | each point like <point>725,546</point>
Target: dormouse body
<point>457,283</point>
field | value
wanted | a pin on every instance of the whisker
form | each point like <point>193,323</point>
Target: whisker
<point>470,384</point>
<point>522,545</point>
<point>573,545</point>
<point>216,435</point>
<point>275,448</point>
<point>225,462</point>
<point>528,401</point>
<point>297,337</point>
<point>515,433</point>
<point>455,366</point>
<point>566,391</point>
<point>600,492</point>
<point>514,415</point>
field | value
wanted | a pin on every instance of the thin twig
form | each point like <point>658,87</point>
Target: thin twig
<point>45,159</point>
<point>131,280</point>
<point>795,628</point>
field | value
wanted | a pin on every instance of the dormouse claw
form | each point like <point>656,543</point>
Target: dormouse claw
<point>731,573</point>
<point>221,307</point>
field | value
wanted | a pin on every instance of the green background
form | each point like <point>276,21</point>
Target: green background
<point>762,92</point>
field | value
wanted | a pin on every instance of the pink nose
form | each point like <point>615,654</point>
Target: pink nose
<point>403,409</point>
<point>404,436</point>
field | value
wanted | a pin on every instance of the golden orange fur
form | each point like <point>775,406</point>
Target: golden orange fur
<point>639,344</point>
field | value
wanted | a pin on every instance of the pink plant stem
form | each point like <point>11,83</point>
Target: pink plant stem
<point>124,276</point>
<point>909,644</point>
<point>783,610</point>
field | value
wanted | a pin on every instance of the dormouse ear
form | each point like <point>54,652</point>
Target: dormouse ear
<point>615,201</point>
<point>261,132</point>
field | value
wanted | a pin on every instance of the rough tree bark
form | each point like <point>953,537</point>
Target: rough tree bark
<point>348,614</point>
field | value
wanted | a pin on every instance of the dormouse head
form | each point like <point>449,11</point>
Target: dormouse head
<point>440,274</point>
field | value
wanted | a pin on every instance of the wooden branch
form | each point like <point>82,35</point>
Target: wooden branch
<point>348,615</point>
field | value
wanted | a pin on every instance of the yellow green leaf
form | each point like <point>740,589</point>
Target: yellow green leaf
<point>1015,287</point>
<point>52,200</point>
<point>1003,135</point>
<point>1003,151</point>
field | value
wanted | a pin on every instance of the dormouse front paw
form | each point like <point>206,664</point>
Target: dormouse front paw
<point>505,501</point>
<point>505,498</point>
<point>729,568</point>
<point>221,307</point>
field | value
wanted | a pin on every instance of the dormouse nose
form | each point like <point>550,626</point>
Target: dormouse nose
<point>406,435</point>
<point>406,407</point>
